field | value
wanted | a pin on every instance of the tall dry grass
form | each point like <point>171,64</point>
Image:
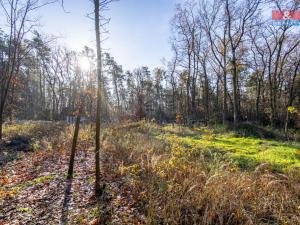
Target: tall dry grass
<point>174,187</point>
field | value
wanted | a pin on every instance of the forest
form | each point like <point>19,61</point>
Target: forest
<point>211,135</point>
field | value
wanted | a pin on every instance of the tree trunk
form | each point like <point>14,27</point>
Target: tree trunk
<point>257,100</point>
<point>272,107</point>
<point>290,99</point>
<point>188,86</point>
<point>235,91</point>
<point>116,90</point>
<point>217,103</point>
<point>286,123</point>
<point>193,92</point>
<point>98,191</point>
<point>224,113</point>
<point>173,99</point>
<point>1,122</point>
<point>206,93</point>
<point>74,143</point>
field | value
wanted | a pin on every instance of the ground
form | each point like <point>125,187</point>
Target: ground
<point>152,174</point>
<point>244,152</point>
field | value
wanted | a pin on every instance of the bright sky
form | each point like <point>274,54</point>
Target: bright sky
<point>139,30</point>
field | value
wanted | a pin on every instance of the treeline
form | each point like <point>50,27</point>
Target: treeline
<point>230,64</point>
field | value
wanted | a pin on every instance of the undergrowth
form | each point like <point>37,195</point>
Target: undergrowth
<point>193,176</point>
<point>173,174</point>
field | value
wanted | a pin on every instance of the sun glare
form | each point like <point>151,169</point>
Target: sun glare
<point>84,63</point>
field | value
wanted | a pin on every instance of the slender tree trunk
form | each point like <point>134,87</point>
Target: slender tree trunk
<point>193,100</point>
<point>217,103</point>
<point>206,92</point>
<point>2,104</point>
<point>53,105</point>
<point>286,123</point>
<point>225,107</point>
<point>1,122</point>
<point>117,91</point>
<point>238,98</point>
<point>3,98</point>
<point>74,143</point>
<point>224,113</point>
<point>257,100</point>
<point>41,92</point>
<point>11,104</point>
<point>173,98</point>
<point>271,103</point>
<point>290,99</point>
<point>98,190</point>
<point>235,91</point>
<point>188,86</point>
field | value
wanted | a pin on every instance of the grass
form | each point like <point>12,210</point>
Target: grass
<point>34,182</point>
<point>180,175</point>
<point>202,176</point>
<point>245,152</point>
<point>33,129</point>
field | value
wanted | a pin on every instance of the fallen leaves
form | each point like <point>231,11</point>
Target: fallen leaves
<point>32,187</point>
<point>5,194</point>
<point>4,180</point>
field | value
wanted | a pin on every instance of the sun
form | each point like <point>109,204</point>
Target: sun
<point>84,63</point>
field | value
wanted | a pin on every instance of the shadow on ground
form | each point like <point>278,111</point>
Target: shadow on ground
<point>66,202</point>
<point>19,138</point>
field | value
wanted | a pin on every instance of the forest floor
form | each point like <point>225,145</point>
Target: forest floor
<point>152,174</point>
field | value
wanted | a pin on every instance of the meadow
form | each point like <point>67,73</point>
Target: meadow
<point>153,174</point>
<point>206,175</point>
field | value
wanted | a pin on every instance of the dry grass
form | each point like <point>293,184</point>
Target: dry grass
<point>176,187</point>
<point>166,182</point>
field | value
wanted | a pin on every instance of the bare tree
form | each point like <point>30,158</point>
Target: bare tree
<point>17,14</point>
<point>239,17</point>
<point>99,6</point>
<point>216,29</point>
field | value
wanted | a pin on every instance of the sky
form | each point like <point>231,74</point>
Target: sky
<point>139,30</point>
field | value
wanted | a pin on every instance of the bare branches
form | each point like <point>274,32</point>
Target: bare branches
<point>18,19</point>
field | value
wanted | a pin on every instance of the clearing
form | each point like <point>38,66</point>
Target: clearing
<point>153,175</point>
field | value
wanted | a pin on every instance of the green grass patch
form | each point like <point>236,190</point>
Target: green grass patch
<point>244,152</point>
<point>25,210</point>
<point>34,182</point>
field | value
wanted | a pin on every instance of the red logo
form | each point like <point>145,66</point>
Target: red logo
<point>285,15</point>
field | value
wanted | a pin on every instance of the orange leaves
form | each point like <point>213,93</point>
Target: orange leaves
<point>94,222</point>
<point>4,180</point>
<point>179,118</point>
<point>14,179</point>
<point>298,153</point>
<point>2,193</point>
<point>5,194</point>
